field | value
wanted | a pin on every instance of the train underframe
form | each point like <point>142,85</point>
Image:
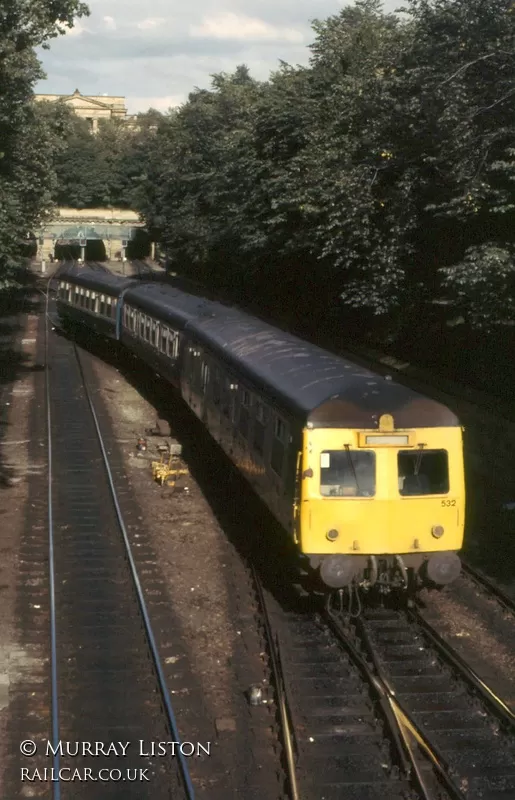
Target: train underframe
<point>387,572</point>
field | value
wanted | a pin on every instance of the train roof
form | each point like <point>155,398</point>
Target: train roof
<point>166,302</point>
<point>95,279</point>
<point>327,389</point>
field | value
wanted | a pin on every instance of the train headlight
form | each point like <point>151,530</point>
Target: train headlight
<point>332,535</point>
<point>437,531</point>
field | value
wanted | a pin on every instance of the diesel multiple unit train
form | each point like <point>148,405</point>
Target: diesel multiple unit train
<point>365,474</point>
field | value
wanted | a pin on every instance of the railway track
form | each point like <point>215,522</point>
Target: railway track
<point>339,737</point>
<point>489,587</point>
<point>457,720</point>
<point>107,680</point>
<point>380,706</point>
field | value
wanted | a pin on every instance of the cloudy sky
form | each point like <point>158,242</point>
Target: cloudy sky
<point>156,51</point>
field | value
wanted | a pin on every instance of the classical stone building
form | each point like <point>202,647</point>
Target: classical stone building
<point>92,108</point>
<point>114,226</point>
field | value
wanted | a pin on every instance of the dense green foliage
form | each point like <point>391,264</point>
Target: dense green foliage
<point>382,173</point>
<point>101,170</point>
<point>29,138</point>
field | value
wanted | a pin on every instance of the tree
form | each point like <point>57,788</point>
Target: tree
<point>28,139</point>
<point>197,170</point>
<point>381,174</point>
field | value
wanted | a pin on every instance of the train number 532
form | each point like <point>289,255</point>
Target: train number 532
<point>448,502</point>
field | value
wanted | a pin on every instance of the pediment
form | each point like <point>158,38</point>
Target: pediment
<point>79,101</point>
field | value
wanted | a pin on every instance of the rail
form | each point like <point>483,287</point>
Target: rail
<point>484,583</point>
<point>164,692</point>
<point>399,722</point>
<point>275,660</point>
<point>449,654</point>
<point>461,739</point>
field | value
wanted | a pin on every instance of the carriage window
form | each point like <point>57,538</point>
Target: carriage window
<point>102,304</point>
<point>228,404</point>
<point>347,473</point>
<point>163,339</point>
<point>141,325</point>
<point>153,337</point>
<point>217,387</point>
<point>173,344</point>
<point>204,376</point>
<point>423,472</point>
<point>277,454</point>
<point>147,328</point>
<point>279,429</point>
<point>243,425</point>
<point>262,416</point>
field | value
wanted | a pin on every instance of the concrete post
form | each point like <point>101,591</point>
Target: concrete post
<point>43,267</point>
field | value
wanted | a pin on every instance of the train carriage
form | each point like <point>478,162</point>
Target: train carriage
<point>152,324</point>
<point>91,299</point>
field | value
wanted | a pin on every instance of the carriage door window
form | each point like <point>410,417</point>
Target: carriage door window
<point>204,377</point>
<point>197,369</point>
<point>260,424</point>
<point>228,399</point>
<point>278,445</point>
<point>423,472</point>
<point>243,426</point>
<point>163,339</point>
<point>173,344</point>
<point>154,333</point>
<point>347,473</point>
<point>217,386</point>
